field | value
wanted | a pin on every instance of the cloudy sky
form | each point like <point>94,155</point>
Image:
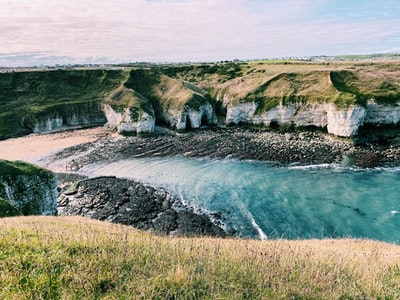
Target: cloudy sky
<point>112,31</point>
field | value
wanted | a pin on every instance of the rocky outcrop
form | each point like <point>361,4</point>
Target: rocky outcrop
<point>129,112</point>
<point>189,117</point>
<point>128,202</point>
<point>345,121</point>
<point>29,189</point>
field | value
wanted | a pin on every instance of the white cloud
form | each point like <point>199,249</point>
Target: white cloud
<point>188,30</point>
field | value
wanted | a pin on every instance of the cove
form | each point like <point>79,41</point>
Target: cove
<point>260,200</point>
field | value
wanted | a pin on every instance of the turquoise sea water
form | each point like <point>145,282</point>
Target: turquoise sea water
<point>263,201</point>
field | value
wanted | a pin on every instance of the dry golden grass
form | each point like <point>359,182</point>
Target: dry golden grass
<point>172,92</point>
<point>308,81</point>
<point>77,258</point>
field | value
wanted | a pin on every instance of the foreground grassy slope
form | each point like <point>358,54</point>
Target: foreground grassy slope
<point>76,258</point>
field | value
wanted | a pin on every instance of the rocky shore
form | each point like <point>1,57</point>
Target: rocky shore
<point>299,147</point>
<point>128,202</point>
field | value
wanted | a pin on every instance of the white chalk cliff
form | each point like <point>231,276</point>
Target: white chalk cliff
<point>30,194</point>
<point>65,116</point>
<point>180,119</point>
<point>124,122</point>
<point>344,121</point>
<point>379,114</point>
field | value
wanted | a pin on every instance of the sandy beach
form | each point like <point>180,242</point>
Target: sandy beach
<point>35,146</point>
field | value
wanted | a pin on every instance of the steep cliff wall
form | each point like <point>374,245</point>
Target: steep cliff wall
<point>341,122</point>
<point>65,116</point>
<point>29,189</point>
<point>332,100</point>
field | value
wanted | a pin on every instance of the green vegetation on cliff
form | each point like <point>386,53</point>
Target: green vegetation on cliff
<point>7,210</point>
<point>17,168</point>
<point>26,188</point>
<point>76,258</point>
<point>123,98</point>
<point>26,96</point>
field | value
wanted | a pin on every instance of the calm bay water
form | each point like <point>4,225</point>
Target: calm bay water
<point>263,201</point>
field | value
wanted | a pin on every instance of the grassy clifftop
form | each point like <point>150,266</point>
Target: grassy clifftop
<point>24,95</point>
<point>269,84</point>
<point>76,258</point>
<point>16,168</point>
<point>40,93</point>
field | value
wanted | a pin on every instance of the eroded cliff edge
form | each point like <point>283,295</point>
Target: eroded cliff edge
<point>338,98</point>
<point>28,189</point>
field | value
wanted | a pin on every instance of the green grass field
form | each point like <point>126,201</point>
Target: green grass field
<point>77,258</point>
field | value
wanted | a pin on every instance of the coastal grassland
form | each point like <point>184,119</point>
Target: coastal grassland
<point>270,83</point>
<point>77,258</point>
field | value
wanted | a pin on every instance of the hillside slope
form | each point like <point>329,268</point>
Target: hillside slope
<point>72,257</point>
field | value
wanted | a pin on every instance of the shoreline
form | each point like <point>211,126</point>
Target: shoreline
<point>285,149</point>
<point>70,150</point>
<point>65,153</point>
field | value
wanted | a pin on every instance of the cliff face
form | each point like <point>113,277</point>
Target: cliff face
<point>183,105</point>
<point>338,121</point>
<point>339,101</point>
<point>338,98</point>
<point>129,112</point>
<point>65,116</point>
<point>29,189</point>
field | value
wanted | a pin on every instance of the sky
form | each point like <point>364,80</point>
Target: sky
<point>48,32</point>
